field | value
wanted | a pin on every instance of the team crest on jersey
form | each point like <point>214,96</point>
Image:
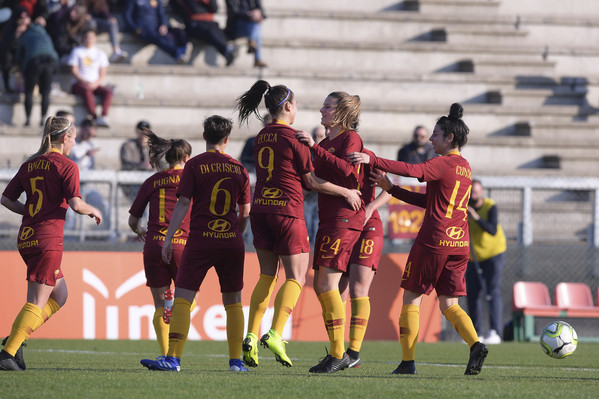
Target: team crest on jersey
<point>164,230</point>
<point>271,192</point>
<point>332,150</point>
<point>219,225</point>
<point>455,233</point>
<point>26,233</point>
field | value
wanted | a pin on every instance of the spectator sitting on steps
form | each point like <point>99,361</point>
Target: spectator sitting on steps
<point>198,16</point>
<point>88,66</point>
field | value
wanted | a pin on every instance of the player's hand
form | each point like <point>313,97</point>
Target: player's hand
<point>381,179</point>
<point>167,251</point>
<point>96,214</point>
<point>369,212</point>
<point>353,199</point>
<point>304,137</point>
<point>358,157</point>
<point>141,233</point>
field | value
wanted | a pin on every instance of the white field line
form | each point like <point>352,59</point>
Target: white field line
<point>222,355</point>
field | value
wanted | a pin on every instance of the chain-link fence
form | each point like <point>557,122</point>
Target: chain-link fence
<point>550,225</point>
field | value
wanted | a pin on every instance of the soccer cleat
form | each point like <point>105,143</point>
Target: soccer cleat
<point>19,355</point>
<point>405,367</point>
<point>320,362</point>
<point>354,362</point>
<point>478,353</point>
<point>332,365</point>
<point>8,362</point>
<point>168,306</point>
<point>237,366</point>
<point>272,340</point>
<point>162,363</point>
<point>250,350</point>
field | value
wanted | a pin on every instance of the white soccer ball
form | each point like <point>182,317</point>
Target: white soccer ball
<point>559,339</point>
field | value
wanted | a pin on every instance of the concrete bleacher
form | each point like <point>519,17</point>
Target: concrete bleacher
<point>526,75</point>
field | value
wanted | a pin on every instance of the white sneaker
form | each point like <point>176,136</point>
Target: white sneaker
<point>118,57</point>
<point>492,338</point>
<point>101,121</point>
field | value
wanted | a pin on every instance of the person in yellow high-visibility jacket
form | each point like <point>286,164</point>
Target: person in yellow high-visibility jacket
<point>487,257</point>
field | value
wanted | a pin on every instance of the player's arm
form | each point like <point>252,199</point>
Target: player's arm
<point>382,180</point>
<point>379,201</point>
<point>388,165</point>
<point>15,206</point>
<point>352,197</point>
<point>342,165</point>
<point>244,216</point>
<point>83,208</point>
<point>136,227</point>
<point>179,213</point>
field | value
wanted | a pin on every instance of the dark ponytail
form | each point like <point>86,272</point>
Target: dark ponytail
<point>173,151</point>
<point>453,123</point>
<point>275,98</point>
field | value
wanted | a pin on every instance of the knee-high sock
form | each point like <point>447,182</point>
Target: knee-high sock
<point>360,313</point>
<point>335,322</point>
<point>162,330</point>
<point>234,329</point>
<point>409,323</point>
<point>47,312</point>
<point>284,303</point>
<point>28,318</point>
<point>462,323</point>
<point>259,302</point>
<point>179,327</point>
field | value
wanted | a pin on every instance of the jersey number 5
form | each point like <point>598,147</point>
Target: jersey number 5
<point>40,196</point>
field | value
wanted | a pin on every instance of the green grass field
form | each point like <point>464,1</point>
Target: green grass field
<point>111,369</point>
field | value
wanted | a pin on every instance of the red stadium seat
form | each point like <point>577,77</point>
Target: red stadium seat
<point>530,299</point>
<point>576,299</point>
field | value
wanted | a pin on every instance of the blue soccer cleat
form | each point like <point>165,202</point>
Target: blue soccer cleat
<point>237,366</point>
<point>162,363</point>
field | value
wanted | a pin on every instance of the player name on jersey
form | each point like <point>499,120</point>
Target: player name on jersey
<point>37,164</point>
<point>167,180</point>
<point>220,167</point>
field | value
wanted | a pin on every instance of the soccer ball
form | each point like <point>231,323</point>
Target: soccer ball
<point>559,339</point>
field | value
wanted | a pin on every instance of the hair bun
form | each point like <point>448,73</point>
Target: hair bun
<point>455,112</point>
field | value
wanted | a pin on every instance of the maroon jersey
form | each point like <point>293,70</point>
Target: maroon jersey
<point>215,183</point>
<point>368,191</point>
<point>160,191</point>
<point>49,181</point>
<point>449,181</point>
<point>280,161</point>
<point>330,164</point>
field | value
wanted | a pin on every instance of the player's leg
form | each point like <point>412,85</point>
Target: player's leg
<point>360,279</point>
<point>235,324</point>
<point>160,327</point>
<point>269,266</point>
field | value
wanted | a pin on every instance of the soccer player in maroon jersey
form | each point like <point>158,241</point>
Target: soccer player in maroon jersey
<point>363,264</point>
<point>283,167</point>
<point>160,192</point>
<point>216,184</point>
<point>50,181</point>
<point>340,226</point>
<point>439,255</point>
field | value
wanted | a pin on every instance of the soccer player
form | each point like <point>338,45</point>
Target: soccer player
<point>216,184</point>
<point>160,190</point>
<point>340,226</point>
<point>283,167</point>
<point>363,264</point>
<point>439,255</point>
<point>50,181</point>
